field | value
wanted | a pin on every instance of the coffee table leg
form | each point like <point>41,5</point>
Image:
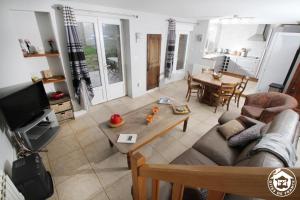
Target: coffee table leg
<point>185,124</point>
<point>111,144</point>
<point>129,154</point>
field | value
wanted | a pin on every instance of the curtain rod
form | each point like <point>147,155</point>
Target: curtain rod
<point>59,7</point>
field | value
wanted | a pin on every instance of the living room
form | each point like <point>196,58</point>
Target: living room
<point>189,85</point>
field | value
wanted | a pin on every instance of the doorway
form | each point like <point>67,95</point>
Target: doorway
<point>153,60</point>
<point>102,44</point>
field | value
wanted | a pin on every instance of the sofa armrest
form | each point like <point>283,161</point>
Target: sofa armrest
<point>276,109</point>
<point>260,100</point>
<point>228,115</point>
<point>268,114</point>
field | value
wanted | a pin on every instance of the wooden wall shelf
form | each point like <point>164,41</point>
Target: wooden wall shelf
<point>48,54</point>
<point>54,79</point>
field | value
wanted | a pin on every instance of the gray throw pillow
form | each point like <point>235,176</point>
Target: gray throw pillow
<point>246,136</point>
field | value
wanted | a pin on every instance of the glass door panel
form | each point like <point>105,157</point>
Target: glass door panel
<point>182,45</point>
<point>112,47</point>
<point>89,36</point>
<point>111,43</point>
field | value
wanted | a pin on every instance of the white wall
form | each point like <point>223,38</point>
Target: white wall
<point>196,49</point>
<point>278,59</point>
<point>147,23</point>
<point>7,153</point>
<point>14,68</point>
<point>235,37</point>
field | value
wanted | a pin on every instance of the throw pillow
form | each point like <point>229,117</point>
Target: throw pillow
<point>246,121</point>
<point>231,128</point>
<point>246,136</point>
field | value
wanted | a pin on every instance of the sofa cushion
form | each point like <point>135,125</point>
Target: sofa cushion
<point>265,128</point>
<point>215,147</point>
<point>245,153</point>
<point>192,157</point>
<point>246,136</point>
<point>227,116</point>
<point>251,111</point>
<point>262,159</point>
<point>231,128</point>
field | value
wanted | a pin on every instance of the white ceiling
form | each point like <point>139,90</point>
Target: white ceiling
<point>272,11</point>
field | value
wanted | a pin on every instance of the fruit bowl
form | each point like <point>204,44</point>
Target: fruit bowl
<point>217,76</point>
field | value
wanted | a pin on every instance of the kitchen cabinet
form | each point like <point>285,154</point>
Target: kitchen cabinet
<point>232,65</point>
<point>243,65</point>
<point>247,66</point>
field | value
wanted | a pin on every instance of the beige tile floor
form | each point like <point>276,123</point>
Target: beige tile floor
<point>83,165</point>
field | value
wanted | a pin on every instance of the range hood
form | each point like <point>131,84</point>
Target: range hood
<point>261,33</point>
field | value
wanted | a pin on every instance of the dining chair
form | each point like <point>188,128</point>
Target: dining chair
<point>223,95</point>
<point>240,89</point>
<point>193,88</point>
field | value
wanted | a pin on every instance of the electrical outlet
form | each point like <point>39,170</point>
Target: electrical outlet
<point>138,84</point>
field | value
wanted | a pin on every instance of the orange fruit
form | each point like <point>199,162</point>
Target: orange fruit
<point>155,109</point>
<point>149,119</point>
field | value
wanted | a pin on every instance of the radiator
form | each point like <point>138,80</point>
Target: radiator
<point>8,190</point>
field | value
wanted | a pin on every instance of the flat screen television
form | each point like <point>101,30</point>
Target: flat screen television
<point>24,105</point>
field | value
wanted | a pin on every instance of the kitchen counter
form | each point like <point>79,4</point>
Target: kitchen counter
<point>247,66</point>
<point>213,56</point>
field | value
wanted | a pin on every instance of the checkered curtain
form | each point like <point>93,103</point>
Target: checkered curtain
<point>170,48</point>
<point>78,66</point>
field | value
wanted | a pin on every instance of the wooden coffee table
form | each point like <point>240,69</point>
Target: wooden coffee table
<point>135,123</point>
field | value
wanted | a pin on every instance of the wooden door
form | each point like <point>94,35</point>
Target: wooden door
<point>294,87</point>
<point>153,60</point>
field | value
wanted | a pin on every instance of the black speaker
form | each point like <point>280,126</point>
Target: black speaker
<point>31,178</point>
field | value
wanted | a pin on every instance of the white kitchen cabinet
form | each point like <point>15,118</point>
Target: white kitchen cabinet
<point>243,65</point>
<point>247,66</point>
<point>232,65</point>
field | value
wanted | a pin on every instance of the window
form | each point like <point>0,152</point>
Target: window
<point>181,52</point>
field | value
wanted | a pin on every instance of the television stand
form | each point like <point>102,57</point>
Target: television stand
<point>38,132</point>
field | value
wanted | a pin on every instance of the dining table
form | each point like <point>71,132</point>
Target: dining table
<point>212,85</point>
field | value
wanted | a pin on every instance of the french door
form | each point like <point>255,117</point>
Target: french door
<point>102,44</point>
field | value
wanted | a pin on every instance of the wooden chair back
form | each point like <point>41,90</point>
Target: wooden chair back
<point>227,89</point>
<point>243,84</point>
<point>189,79</point>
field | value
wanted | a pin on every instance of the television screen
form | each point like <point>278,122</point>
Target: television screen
<point>23,106</point>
